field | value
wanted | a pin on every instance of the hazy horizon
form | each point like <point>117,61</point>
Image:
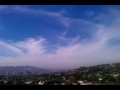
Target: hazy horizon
<point>59,36</point>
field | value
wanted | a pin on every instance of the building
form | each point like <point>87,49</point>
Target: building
<point>100,79</point>
<point>115,75</point>
<point>80,82</point>
<point>28,82</point>
<point>41,83</point>
<point>63,84</point>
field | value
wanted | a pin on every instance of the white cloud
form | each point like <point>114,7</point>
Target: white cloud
<point>69,56</point>
<point>2,7</point>
<point>58,16</point>
<point>76,52</point>
<point>26,10</point>
<point>10,48</point>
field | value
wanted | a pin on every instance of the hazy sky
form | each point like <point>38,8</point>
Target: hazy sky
<point>59,36</point>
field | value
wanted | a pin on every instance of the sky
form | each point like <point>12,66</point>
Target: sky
<point>59,36</point>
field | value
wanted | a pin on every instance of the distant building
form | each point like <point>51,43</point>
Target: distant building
<point>115,75</point>
<point>5,81</point>
<point>87,83</point>
<point>100,79</point>
<point>74,83</point>
<point>41,83</point>
<point>112,65</point>
<point>63,84</point>
<point>28,82</point>
<point>64,78</point>
<point>80,82</point>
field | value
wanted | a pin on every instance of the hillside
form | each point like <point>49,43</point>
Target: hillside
<point>22,69</point>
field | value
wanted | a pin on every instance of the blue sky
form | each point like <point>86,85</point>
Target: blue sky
<point>59,36</point>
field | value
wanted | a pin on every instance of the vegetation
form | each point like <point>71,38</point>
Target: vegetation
<point>106,74</point>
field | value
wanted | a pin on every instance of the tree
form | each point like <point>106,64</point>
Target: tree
<point>108,78</point>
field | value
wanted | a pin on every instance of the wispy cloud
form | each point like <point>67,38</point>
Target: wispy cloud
<point>33,52</point>
<point>31,11</point>
<point>76,51</point>
<point>58,16</point>
<point>3,7</point>
<point>9,48</point>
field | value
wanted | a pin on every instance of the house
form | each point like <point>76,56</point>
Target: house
<point>41,83</point>
<point>28,82</point>
<point>80,82</point>
<point>55,84</point>
<point>64,78</point>
<point>5,81</point>
<point>86,83</point>
<point>115,75</point>
<point>74,83</point>
<point>100,79</point>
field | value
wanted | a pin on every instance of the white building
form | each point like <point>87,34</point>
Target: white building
<point>41,83</point>
<point>5,81</point>
<point>100,79</point>
<point>74,83</point>
<point>28,82</point>
<point>63,84</point>
<point>80,82</point>
<point>86,83</point>
<point>115,75</point>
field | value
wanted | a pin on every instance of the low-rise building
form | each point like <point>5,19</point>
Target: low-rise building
<point>5,81</point>
<point>100,79</point>
<point>63,84</point>
<point>28,82</point>
<point>115,75</point>
<point>80,82</point>
<point>86,83</point>
<point>74,83</point>
<point>41,83</point>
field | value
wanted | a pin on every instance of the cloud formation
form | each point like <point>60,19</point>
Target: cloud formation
<point>100,46</point>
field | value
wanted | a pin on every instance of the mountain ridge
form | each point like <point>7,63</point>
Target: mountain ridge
<point>26,69</point>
